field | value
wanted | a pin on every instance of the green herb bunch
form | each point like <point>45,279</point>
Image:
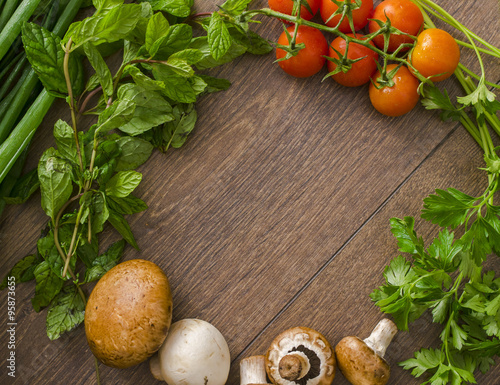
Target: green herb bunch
<point>448,278</point>
<point>88,178</point>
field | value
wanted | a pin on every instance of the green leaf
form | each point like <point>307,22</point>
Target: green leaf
<point>175,87</point>
<point>66,312</point>
<point>189,55</point>
<point>179,8</point>
<point>55,182</point>
<point>176,132</point>
<point>435,100</point>
<point>134,152</point>
<point>24,187</point>
<point>156,32</point>
<point>399,272</point>
<point>403,230</point>
<point>151,109</point>
<point>254,43</point>
<point>105,262</point>
<point>101,69</point>
<point>48,285</point>
<point>47,249</point>
<point>447,207</point>
<point>458,335</point>
<point>119,114</point>
<point>22,271</point>
<point>65,141</point>
<point>201,43</point>
<point>123,183</point>
<point>215,84</point>
<point>99,212</point>
<point>235,7</point>
<point>46,56</point>
<point>425,360</point>
<point>445,250</point>
<point>122,226</point>
<point>177,39</point>
<point>126,205</point>
<point>219,38</point>
<point>105,27</point>
<point>180,67</point>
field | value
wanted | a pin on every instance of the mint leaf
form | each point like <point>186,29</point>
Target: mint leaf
<point>65,141</point>
<point>201,43</point>
<point>55,182</point>
<point>179,8</point>
<point>176,39</point>
<point>48,285</point>
<point>22,271</point>
<point>121,225</point>
<point>123,183</point>
<point>156,32</point>
<point>219,39</point>
<point>134,152</point>
<point>101,68</point>
<point>126,205</point>
<point>189,55</point>
<point>47,249</point>
<point>176,132</point>
<point>175,87</point>
<point>151,109</point>
<point>215,84</point>
<point>104,27</point>
<point>66,312</point>
<point>24,187</point>
<point>102,264</point>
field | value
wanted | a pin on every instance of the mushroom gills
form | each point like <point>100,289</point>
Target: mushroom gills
<point>299,365</point>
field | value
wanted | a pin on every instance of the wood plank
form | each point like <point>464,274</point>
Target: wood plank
<point>279,171</point>
<point>337,302</point>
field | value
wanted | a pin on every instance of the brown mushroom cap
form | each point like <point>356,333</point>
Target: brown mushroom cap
<point>359,364</point>
<point>128,313</point>
<point>311,348</point>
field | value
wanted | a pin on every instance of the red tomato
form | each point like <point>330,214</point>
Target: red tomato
<point>398,99</point>
<point>310,59</point>
<point>362,70</point>
<point>286,6</point>
<point>360,16</point>
<point>436,53</point>
<point>404,15</point>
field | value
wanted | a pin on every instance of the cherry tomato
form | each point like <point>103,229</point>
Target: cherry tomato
<point>436,53</point>
<point>360,16</point>
<point>310,59</point>
<point>404,15</point>
<point>398,99</point>
<point>362,70</point>
<point>286,6</point>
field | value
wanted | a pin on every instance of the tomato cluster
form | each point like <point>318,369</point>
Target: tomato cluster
<point>393,89</point>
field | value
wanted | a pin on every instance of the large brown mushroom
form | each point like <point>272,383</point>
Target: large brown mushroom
<point>128,313</point>
<point>362,361</point>
<point>300,356</point>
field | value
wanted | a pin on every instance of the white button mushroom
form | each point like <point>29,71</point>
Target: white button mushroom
<point>253,371</point>
<point>362,362</point>
<point>194,353</point>
<point>299,356</point>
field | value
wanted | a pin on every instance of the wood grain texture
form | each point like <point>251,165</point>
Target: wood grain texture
<point>274,213</point>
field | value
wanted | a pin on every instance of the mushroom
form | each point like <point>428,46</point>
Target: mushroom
<point>253,371</point>
<point>362,362</point>
<point>301,356</point>
<point>193,353</point>
<point>128,313</point>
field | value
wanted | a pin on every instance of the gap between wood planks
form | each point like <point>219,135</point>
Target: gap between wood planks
<point>330,260</point>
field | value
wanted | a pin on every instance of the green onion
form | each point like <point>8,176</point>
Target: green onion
<point>11,30</point>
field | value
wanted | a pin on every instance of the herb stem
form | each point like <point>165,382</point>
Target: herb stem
<point>71,100</point>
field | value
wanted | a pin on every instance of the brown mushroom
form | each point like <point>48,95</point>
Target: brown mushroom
<point>300,356</point>
<point>362,361</point>
<point>253,371</point>
<point>128,313</point>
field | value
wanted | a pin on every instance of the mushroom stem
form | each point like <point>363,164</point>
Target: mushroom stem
<point>154,366</point>
<point>253,371</point>
<point>381,336</point>
<point>294,366</point>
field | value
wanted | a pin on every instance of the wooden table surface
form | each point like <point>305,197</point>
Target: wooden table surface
<point>274,214</point>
